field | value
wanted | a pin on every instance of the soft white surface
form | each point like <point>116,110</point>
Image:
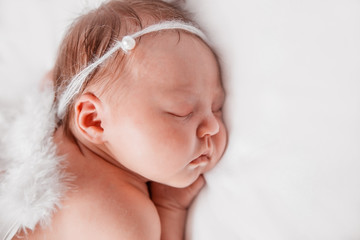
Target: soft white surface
<point>292,74</point>
<point>292,168</point>
<point>30,32</point>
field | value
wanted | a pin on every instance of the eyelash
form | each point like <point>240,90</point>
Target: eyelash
<point>218,110</point>
<point>180,116</point>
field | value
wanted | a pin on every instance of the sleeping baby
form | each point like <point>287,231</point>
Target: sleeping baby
<point>138,105</point>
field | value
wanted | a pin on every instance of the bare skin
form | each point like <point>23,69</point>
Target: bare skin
<point>109,203</point>
<point>139,159</point>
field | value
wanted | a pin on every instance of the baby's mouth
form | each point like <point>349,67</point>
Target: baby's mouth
<point>202,160</point>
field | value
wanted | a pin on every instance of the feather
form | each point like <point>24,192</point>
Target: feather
<point>32,176</point>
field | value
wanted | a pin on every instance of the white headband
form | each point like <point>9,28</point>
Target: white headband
<point>126,44</point>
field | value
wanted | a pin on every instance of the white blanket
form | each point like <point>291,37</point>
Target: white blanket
<point>292,168</point>
<point>292,76</point>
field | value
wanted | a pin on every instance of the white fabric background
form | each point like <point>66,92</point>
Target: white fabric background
<point>292,168</point>
<point>292,76</point>
<point>30,32</point>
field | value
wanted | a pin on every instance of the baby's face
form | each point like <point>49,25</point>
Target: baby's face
<point>168,126</point>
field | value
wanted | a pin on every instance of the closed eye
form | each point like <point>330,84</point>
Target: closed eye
<point>217,110</point>
<point>181,115</point>
<point>218,113</point>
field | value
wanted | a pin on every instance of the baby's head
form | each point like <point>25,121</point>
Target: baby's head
<point>152,106</point>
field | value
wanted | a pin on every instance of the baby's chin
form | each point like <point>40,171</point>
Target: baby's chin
<point>185,182</point>
<point>199,169</point>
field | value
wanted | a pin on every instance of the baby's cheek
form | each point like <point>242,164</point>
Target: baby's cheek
<point>223,133</point>
<point>175,137</point>
<point>220,140</point>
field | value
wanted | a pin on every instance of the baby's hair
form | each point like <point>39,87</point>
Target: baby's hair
<point>94,33</point>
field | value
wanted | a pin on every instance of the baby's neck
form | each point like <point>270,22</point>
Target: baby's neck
<point>83,159</point>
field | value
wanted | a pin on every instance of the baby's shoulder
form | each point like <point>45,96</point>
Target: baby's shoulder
<point>113,212</point>
<point>104,212</point>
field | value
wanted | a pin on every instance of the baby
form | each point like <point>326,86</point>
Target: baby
<point>139,100</point>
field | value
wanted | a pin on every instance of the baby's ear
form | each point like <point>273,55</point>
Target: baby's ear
<point>88,117</point>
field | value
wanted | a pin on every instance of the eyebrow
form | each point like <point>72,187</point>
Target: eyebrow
<point>188,96</point>
<point>179,91</point>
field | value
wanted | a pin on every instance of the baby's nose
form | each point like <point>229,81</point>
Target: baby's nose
<point>208,126</point>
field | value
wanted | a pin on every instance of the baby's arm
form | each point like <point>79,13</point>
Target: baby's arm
<point>172,205</point>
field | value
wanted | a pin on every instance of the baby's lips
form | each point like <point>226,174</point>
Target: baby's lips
<point>202,160</point>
